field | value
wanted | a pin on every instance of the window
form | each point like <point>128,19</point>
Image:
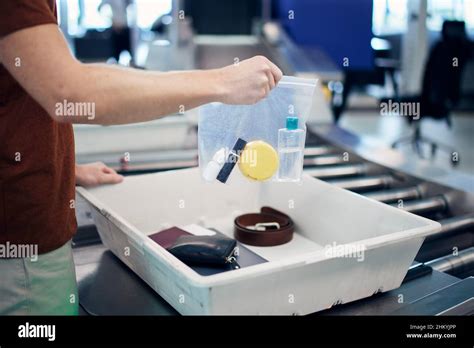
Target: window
<point>441,10</point>
<point>85,14</point>
<point>149,10</point>
<point>391,16</point>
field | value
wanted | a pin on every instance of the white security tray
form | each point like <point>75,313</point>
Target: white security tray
<point>345,246</point>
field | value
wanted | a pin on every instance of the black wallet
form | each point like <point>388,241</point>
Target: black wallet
<point>216,250</point>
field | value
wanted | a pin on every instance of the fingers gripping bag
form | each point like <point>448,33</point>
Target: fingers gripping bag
<point>264,141</point>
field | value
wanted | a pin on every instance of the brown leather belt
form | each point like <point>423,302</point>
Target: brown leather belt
<point>267,228</point>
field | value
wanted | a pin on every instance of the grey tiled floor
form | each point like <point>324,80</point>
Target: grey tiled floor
<point>389,128</point>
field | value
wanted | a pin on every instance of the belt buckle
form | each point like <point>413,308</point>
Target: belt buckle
<point>262,226</point>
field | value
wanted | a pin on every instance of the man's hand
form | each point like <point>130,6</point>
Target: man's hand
<point>94,174</point>
<point>248,81</point>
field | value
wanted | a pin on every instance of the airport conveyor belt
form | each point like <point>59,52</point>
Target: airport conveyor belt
<point>452,208</point>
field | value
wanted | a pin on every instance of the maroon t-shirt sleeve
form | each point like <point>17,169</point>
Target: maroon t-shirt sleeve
<point>20,14</point>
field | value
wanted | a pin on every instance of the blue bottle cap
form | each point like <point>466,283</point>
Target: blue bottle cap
<point>291,123</point>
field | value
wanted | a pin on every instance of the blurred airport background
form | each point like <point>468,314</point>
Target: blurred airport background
<point>363,52</point>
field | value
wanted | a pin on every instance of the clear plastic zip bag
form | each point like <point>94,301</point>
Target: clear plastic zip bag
<point>264,140</point>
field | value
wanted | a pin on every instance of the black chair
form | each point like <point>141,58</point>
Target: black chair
<point>441,86</point>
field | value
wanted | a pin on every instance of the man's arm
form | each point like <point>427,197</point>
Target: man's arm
<point>51,75</point>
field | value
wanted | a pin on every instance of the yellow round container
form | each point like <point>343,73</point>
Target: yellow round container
<point>258,160</point>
